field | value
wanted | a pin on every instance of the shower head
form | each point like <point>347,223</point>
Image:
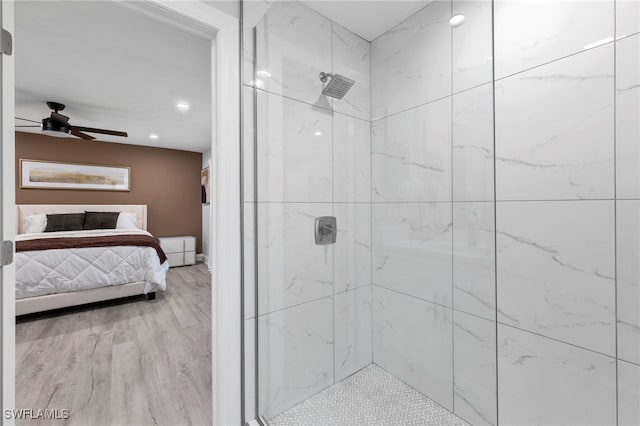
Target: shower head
<point>338,86</point>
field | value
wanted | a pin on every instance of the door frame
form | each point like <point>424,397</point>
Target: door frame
<point>7,217</point>
<point>225,259</point>
<point>225,221</point>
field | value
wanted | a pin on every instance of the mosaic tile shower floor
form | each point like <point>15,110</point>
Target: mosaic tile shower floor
<point>369,397</point>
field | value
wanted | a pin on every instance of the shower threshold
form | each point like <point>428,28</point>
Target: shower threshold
<point>369,397</point>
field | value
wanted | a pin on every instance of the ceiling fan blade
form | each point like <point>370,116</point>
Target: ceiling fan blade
<point>26,119</point>
<point>81,135</point>
<point>56,116</point>
<point>31,125</point>
<point>101,131</point>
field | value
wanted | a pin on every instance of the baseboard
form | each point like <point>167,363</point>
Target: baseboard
<point>201,257</point>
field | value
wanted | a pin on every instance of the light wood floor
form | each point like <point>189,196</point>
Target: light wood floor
<point>134,363</point>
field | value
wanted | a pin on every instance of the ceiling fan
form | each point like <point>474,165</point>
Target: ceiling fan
<point>57,124</point>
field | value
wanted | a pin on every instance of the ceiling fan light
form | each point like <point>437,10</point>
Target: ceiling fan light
<point>57,134</point>
<point>49,125</point>
<point>53,128</point>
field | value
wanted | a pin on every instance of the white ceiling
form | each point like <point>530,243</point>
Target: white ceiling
<point>367,18</point>
<point>115,68</point>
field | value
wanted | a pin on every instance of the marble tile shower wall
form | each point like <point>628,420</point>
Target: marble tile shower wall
<point>313,159</point>
<point>514,298</point>
<point>433,258</point>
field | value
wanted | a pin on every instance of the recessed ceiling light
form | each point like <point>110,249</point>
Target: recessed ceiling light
<point>183,106</point>
<point>456,20</point>
<point>318,133</point>
<point>153,136</point>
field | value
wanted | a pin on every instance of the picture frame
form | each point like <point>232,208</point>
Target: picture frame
<point>205,185</point>
<point>43,174</point>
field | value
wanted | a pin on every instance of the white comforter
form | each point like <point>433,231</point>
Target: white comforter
<point>63,270</point>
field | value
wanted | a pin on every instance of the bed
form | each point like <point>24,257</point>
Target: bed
<point>69,268</point>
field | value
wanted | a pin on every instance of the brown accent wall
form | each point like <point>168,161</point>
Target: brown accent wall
<point>166,180</point>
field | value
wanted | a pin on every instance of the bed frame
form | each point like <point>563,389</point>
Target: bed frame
<point>48,302</point>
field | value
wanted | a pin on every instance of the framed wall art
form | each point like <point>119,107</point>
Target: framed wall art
<point>40,174</point>
<point>205,185</point>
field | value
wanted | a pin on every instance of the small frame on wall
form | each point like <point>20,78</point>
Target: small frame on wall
<point>39,174</point>
<point>205,186</point>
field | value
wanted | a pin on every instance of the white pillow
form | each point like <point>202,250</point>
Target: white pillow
<point>34,223</point>
<point>126,220</point>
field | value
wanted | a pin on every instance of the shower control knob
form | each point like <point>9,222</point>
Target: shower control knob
<point>325,230</point>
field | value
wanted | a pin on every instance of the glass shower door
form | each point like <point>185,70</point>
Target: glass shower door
<point>404,161</point>
<point>312,160</point>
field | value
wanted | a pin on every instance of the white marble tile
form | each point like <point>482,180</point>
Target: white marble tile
<point>412,341</point>
<point>627,17</point>
<point>554,130</point>
<point>293,47</point>
<point>352,261</point>
<point>555,271</point>
<point>294,150</point>
<point>411,155</point>
<point>249,368</point>
<point>472,44</point>
<point>292,268</point>
<point>473,145</point>
<point>628,274</point>
<point>474,372</point>
<point>352,316</point>
<point>545,382</point>
<point>249,258</point>
<point>522,42</point>
<point>248,52</point>
<point>352,58</point>
<point>411,63</point>
<point>412,249</point>
<point>296,354</point>
<point>248,144</point>
<point>628,394</point>
<point>627,113</point>
<point>252,14</point>
<point>351,159</point>
<point>474,259</point>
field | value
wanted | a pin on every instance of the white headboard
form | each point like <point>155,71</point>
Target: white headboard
<point>23,210</point>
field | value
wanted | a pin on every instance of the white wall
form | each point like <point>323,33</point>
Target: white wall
<point>230,7</point>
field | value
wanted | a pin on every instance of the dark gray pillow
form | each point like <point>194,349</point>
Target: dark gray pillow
<point>64,222</point>
<point>100,220</point>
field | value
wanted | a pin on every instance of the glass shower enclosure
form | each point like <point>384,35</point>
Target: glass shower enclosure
<point>483,171</point>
